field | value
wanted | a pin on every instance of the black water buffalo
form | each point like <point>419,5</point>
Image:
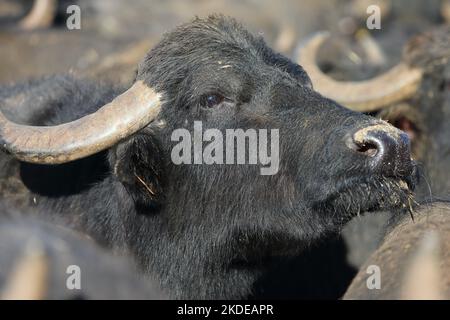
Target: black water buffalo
<point>204,231</point>
<point>412,262</point>
<point>44,260</point>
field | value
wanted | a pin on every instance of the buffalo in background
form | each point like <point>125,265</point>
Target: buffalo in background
<point>413,259</point>
<point>37,254</point>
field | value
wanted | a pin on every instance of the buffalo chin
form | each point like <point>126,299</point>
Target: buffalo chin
<point>364,195</point>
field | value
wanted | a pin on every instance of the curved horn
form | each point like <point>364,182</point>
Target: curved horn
<point>41,15</point>
<point>126,114</point>
<point>29,279</point>
<point>445,10</point>
<point>399,83</point>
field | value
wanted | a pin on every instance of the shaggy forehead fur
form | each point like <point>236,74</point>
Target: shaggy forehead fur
<point>217,42</point>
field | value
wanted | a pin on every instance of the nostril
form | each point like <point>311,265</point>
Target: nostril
<point>367,148</point>
<point>385,149</point>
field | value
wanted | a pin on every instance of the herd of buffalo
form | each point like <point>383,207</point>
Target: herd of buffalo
<point>92,205</point>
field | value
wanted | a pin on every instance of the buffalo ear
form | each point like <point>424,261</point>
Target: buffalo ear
<point>137,164</point>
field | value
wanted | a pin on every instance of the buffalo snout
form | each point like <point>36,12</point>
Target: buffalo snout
<point>384,148</point>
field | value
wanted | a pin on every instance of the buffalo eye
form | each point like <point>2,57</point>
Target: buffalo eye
<point>211,100</point>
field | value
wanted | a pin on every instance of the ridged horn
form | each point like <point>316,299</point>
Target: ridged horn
<point>399,83</point>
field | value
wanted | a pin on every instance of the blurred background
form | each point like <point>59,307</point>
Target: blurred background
<point>114,34</point>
